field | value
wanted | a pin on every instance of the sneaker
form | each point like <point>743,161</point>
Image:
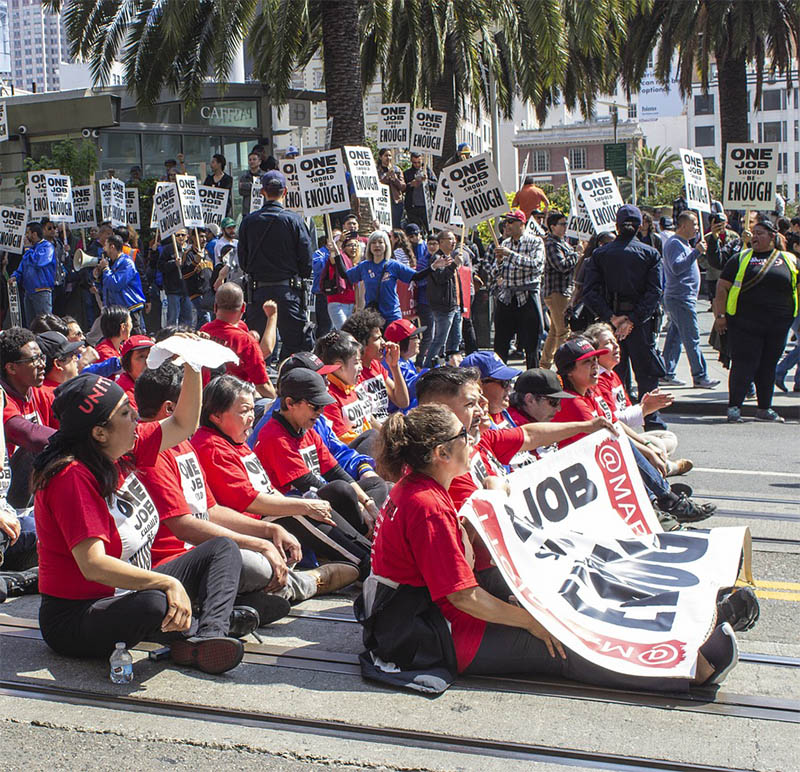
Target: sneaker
<point>722,652</point>
<point>739,609</point>
<point>769,416</point>
<point>735,415</point>
<point>707,383</point>
<point>211,655</point>
<point>20,583</point>
<point>671,380</point>
<point>779,383</point>
<point>334,576</point>
<point>268,607</point>
<point>244,620</point>
<point>680,466</point>
<point>667,521</point>
<point>685,510</point>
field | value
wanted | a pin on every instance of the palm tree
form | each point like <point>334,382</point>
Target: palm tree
<point>761,33</point>
<point>656,166</point>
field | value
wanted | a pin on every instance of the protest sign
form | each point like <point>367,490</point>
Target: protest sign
<point>323,185</point>
<point>214,202</point>
<point>476,189</point>
<point>292,201</point>
<point>445,212</point>
<point>256,199</point>
<point>694,177</point>
<point>132,207</point>
<point>534,228</point>
<point>363,173</point>
<point>159,187</point>
<point>83,205</point>
<point>393,125</point>
<point>104,186</point>
<point>12,229</point>
<point>751,172</point>
<point>59,198</point>
<point>167,210</point>
<point>3,122</point>
<point>191,208</point>
<point>579,224</point>
<point>118,217</point>
<point>406,296</point>
<point>601,198</point>
<point>381,210</point>
<point>36,193</point>
<point>427,134</point>
<point>578,543</point>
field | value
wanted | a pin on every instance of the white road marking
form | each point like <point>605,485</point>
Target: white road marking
<point>746,471</point>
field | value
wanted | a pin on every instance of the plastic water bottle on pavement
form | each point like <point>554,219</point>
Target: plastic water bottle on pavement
<point>121,663</point>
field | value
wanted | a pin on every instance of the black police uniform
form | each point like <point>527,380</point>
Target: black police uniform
<point>275,252</point>
<point>623,278</point>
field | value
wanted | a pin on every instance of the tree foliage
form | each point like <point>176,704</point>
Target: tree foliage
<point>75,159</point>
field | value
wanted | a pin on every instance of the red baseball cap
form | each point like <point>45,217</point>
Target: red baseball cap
<point>400,329</point>
<point>517,214</point>
<point>134,342</point>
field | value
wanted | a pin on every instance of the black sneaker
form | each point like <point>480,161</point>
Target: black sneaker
<point>270,607</point>
<point>211,655</point>
<point>685,510</point>
<point>244,619</point>
<point>21,582</point>
<point>722,652</point>
<point>667,521</point>
<point>739,609</point>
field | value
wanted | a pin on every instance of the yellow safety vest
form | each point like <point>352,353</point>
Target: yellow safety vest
<point>744,261</point>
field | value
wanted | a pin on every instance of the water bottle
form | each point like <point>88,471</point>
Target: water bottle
<point>121,663</point>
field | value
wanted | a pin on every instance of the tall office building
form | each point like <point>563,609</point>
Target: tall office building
<point>38,44</point>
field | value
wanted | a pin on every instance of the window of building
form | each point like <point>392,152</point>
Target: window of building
<point>785,162</point>
<point>198,150</point>
<point>797,191</point>
<point>795,90</point>
<point>298,80</point>
<point>704,104</point>
<point>317,77</point>
<point>703,136</point>
<point>157,148</point>
<point>120,151</point>
<point>632,110</point>
<point>320,110</point>
<point>797,163</point>
<point>769,132</point>
<point>541,161</point>
<point>577,157</point>
<point>797,131</point>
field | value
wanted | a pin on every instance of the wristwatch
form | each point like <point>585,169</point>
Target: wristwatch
<point>720,316</point>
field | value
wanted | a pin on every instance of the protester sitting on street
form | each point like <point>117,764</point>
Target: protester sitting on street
<point>133,358</point>
<point>377,384</point>
<point>229,330</point>
<point>61,359</point>
<point>96,523</point>
<point>120,282</point>
<point>238,480</point>
<point>420,557</point>
<point>116,326</point>
<point>189,515</point>
<point>406,336</point>
<point>496,379</point>
<point>36,273</point>
<point>756,301</point>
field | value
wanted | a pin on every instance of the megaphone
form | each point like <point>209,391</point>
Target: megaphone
<point>81,260</point>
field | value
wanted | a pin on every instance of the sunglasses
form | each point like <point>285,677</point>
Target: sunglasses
<point>504,384</point>
<point>552,401</point>
<point>34,360</point>
<point>315,408</point>
<point>462,434</point>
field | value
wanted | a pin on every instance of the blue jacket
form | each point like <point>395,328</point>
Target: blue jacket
<point>108,368</point>
<point>122,285</point>
<point>37,269</point>
<point>318,261</point>
<point>410,376</point>
<point>355,464</point>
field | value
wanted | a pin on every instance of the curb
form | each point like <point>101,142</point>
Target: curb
<point>693,407</point>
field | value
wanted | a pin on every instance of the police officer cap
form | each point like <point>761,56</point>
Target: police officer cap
<point>273,179</point>
<point>629,212</point>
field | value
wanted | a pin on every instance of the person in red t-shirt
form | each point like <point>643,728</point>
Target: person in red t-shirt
<point>133,358</point>
<point>229,307</point>
<point>61,359</point>
<point>96,524</point>
<point>238,480</point>
<point>116,326</point>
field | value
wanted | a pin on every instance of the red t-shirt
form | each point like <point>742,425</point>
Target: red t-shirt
<point>418,541</point>
<point>233,472</point>
<point>613,392</point>
<point>36,407</point>
<point>582,408</point>
<point>372,388</point>
<point>105,350</point>
<point>70,510</point>
<point>520,419</point>
<point>177,485</point>
<point>49,386</point>
<point>286,457</point>
<point>350,414</point>
<point>127,384</point>
<point>251,365</point>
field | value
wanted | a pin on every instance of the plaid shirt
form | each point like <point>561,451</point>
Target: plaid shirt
<point>559,267</point>
<point>519,273</point>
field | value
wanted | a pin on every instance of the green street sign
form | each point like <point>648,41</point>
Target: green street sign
<point>615,158</point>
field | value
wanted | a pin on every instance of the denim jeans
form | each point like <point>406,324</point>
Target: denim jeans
<point>789,361</point>
<point>204,316</point>
<point>339,313</point>
<point>683,329</point>
<point>446,333</point>
<point>180,310</point>
<point>651,477</point>
<point>35,303</point>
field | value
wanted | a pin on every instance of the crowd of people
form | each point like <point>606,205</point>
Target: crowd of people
<point>191,506</point>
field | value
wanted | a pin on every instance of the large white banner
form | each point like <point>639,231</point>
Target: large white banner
<point>12,229</point>
<point>579,224</point>
<point>3,122</point>
<point>363,173</point>
<point>167,210</point>
<point>293,201</point>
<point>694,177</point>
<point>601,198</point>
<point>191,208</point>
<point>214,202</point>
<point>427,133</point>
<point>59,198</point>
<point>476,189</point>
<point>393,125</point>
<point>132,207</point>
<point>36,193</point>
<point>577,541</point>
<point>751,172</point>
<point>323,184</point>
<point>84,206</point>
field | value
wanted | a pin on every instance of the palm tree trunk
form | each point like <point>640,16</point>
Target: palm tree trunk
<point>733,107</point>
<point>443,97</point>
<point>343,71</point>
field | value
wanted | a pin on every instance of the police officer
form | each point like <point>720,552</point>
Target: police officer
<point>622,286</point>
<point>275,252</point>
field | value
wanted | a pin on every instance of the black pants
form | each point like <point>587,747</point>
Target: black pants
<point>91,628</point>
<point>468,336</point>
<point>366,443</point>
<point>417,215</point>
<point>755,345</point>
<point>522,321</point>
<point>291,317</point>
<point>375,487</point>
<point>323,318</point>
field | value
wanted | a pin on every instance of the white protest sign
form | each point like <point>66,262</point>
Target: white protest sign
<point>83,205</point>
<point>36,193</point>
<point>524,173</point>
<point>12,229</point>
<point>601,198</point>
<point>579,224</point>
<point>393,125</point>
<point>381,210</point>
<point>104,186</point>
<point>445,211</point>
<point>3,122</point>
<point>159,187</point>
<point>751,172</point>
<point>476,189</point>
<point>256,199</point>
<point>59,198</point>
<point>534,228</point>
<point>323,184</point>
<point>117,216</point>
<point>167,210</point>
<point>132,207</point>
<point>427,134</point>
<point>288,167</point>
<point>214,202</point>
<point>578,543</point>
<point>191,208</point>
<point>363,173</point>
<point>694,177</point>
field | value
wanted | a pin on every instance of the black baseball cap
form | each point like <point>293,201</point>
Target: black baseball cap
<point>273,179</point>
<point>309,361</point>
<point>54,345</point>
<point>573,351</point>
<point>629,212</point>
<point>301,383</point>
<point>541,382</point>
